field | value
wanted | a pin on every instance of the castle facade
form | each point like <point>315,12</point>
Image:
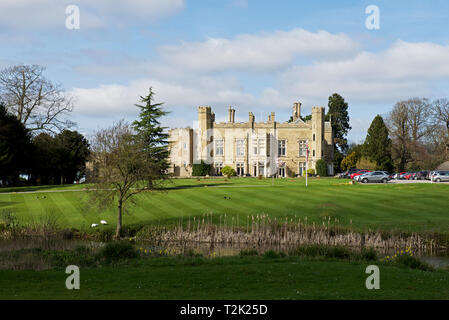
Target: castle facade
<point>253,148</point>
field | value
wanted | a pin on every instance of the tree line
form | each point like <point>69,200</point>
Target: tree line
<point>413,136</point>
<point>35,137</point>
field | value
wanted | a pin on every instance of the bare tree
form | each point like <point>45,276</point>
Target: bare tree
<point>440,110</point>
<point>397,123</point>
<point>410,127</point>
<point>36,101</point>
<point>121,168</point>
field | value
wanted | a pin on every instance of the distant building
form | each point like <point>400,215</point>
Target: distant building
<point>253,148</point>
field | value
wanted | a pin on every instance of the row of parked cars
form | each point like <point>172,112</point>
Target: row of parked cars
<point>364,176</point>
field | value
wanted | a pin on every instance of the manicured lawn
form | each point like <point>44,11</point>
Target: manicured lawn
<point>228,278</point>
<point>408,207</point>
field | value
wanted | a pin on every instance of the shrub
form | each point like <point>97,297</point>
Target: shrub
<point>270,254</point>
<point>406,258</point>
<point>321,168</point>
<point>368,254</point>
<point>201,169</point>
<point>118,250</point>
<point>318,250</point>
<point>310,172</point>
<point>249,252</point>
<point>228,171</point>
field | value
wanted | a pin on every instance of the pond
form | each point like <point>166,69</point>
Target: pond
<point>436,258</point>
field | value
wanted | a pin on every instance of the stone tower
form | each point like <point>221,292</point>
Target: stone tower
<point>206,120</point>
<point>316,147</point>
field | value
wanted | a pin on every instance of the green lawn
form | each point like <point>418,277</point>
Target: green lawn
<point>228,278</point>
<point>409,207</point>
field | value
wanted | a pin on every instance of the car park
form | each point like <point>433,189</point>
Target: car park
<point>358,173</point>
<point>421,175</point>
<point>348,173</point>
<point>440,176</point>
<point>375,176</point>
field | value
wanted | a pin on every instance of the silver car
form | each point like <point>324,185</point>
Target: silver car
<point>440,176</point>
<point>375,176</point>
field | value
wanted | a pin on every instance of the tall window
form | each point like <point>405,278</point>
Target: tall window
<point>262,143</point>
<point>302,168</point>
<point>240,169</point>
<point>259,147</point>
<point>255,147</point>
<point>302,148</point>
<point>240,146</point>
<point>281,148</point>
<point>218,166</point>
<point>219,147</point>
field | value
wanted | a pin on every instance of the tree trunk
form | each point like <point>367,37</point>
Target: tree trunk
<point>119,220</point>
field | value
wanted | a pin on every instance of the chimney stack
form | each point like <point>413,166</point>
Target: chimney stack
<point>231,115</point>
<point>296,110</point>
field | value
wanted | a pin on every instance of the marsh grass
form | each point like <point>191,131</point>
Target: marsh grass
<point>264,231</point>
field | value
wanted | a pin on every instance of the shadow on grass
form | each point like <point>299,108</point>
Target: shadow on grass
<point>38,188</point>
<point>192,186</point>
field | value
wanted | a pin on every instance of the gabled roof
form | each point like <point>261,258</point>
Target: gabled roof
<point>443,166</point>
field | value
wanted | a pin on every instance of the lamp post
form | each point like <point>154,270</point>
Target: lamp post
<point>307,161</point>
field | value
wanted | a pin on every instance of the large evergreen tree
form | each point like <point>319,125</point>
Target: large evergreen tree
<point>15,148</point>
<point>378,145</point>
<point>339,117</point>
<point>153,135</point>
<point>73,153</point>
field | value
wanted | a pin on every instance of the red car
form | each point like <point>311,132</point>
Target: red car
<point>358,173</point>
<point>409,175</point>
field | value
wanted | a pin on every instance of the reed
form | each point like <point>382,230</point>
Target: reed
<point>264,231</point>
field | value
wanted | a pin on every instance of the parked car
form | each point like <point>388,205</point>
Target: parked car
<point>440,176</point>
<point>402,175</point>
<point>358,173</point>
<point>409,175</point>
<point>348,173</point>
<point>421,175</point>
<point>397,175</point>
<point>430,174</point>
<point>375,176</point>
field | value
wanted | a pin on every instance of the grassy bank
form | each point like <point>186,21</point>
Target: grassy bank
<point>408,207</point>
<point>251,277</point>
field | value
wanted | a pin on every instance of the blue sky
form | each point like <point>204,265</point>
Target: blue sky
<point>258,56</point>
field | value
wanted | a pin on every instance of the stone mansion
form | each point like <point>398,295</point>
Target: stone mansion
<point>253,148</point>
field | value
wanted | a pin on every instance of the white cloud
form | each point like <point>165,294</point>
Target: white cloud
<point>365,79</point>
<point>120,99</point>
<point>266,52</point>
<point>403,70</point>
<point>37,14</point>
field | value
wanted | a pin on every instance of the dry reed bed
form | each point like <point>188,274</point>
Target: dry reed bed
<point>262,230</point>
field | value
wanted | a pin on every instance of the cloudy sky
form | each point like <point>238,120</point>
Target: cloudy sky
<point>255,55</point>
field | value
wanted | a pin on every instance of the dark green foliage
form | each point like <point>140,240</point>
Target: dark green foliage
<point>338,112</point>
<point>60,159</point>
<point>378,145</point>
<point>321,168</point>
<point>339,117</point>
<point>248,252</point>
<point>271,254</point>
<point>15,148</point>
<point>201,169</point>
<point>317,250</point>
<point>118,250</point>
<point>368,254</point>
<point>412,262</point>
<point>153,136</point>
